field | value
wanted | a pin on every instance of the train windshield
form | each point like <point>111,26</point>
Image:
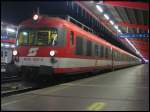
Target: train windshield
<point>41,37</point>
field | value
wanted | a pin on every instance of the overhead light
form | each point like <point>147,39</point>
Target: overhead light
<point>111,22</point>
<point>119,31</point>
<point>25,33</point>
<point>116,26</point>
<point>35,17</point>
<point>106,16</point>
<point>6,45</point>
<point>2,44</point>
<point>13,46</point>
<point>99,8</point>
<point>10,30</point>
<point>134,47</point>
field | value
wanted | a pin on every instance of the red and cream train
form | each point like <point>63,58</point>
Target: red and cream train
<point>51,45</point>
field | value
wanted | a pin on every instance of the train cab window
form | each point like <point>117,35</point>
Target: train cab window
<point>23,38</point>
<point>79,45</point>
<point>43,38</point>
<point>72,37</point>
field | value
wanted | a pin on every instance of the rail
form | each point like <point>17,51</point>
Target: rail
<point>84,27</point>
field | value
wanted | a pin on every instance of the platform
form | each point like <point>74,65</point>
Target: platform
<point>125,89</point>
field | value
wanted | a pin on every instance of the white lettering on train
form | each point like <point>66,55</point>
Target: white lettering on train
<point>32,51</point>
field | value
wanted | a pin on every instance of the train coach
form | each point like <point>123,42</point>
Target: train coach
<point>55,46</point>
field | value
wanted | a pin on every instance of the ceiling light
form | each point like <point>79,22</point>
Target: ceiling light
<point>99,8</point>
<point>116,26</point>
<point>119,31</point>
<point>10,30</point>
<point>106,16</point>
<point>111,22</point>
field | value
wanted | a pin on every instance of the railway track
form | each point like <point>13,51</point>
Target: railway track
<point>12,88</point>
<point>10,79</point>
<point>20,86</point>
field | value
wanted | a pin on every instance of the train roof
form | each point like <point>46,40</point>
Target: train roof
<point>59,22</point>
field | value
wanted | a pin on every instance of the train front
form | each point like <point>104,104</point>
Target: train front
<point>40,42</point>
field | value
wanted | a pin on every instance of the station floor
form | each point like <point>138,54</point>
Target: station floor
<point>121,90</point>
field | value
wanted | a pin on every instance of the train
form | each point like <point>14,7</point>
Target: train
<point>54,46</point>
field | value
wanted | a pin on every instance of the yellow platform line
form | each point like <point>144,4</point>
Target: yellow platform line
<point>96,106</point>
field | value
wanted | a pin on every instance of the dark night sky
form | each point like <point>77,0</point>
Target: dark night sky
<point>15,12</point>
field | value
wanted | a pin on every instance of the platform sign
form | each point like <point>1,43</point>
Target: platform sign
<point>131,35</point>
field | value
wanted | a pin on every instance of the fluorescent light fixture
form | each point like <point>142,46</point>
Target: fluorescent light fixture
<point>111,22</point>
<point>116,26</point>
<point>7,45</point>
<point>25,33</point>
<point>106,16</point>
<point>13,46</point>
<point>2,44</point>
<point>119,31</point>
<point>134,47</point>
<point>10,30</point>
<point>145,60</point>
<point>99,8</point>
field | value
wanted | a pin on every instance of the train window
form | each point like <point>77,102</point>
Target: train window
<point>99,54</point>
<point>32,37</point>
<point>106,52</point>
<point>43,38</point>
<point>79,45</point>
<point>109,53</point>
<point>72,37</point>
<point>61,37</point>
<point>23,38</point>
<point>96,50</point>
<point>102,50</point>
<point>89,48</point>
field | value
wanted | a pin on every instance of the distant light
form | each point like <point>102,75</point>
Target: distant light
<point>7,45</point>
<point>116,27</point>
<point>99,8</point>
<point>25,33</point>
<point>134,47</point>
<point>106,16</point>
<point>2,44</point>
<point>10,30</point>
<point>111,22</point>
<point>15,52</point>
<point>119,31</point>
<point>13,46</point>
<point>35,17</point>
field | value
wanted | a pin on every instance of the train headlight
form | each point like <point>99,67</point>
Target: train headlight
<point>15,52</point>
<point>52,53</point>
<point>35,17</point>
